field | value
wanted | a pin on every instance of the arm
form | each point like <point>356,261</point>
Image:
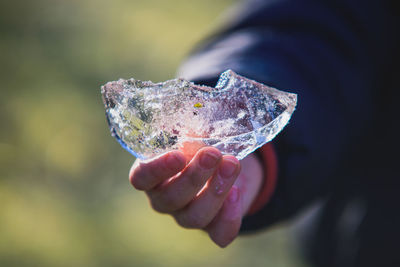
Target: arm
<point>321,50</point>
<point>328,52</point>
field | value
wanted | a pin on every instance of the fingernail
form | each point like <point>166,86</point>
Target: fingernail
<point>228,168</point>
<point>208,160</point>
<point>233,195</point>
<point>173,161</point>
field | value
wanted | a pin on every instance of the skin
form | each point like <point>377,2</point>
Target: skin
<point>207,191</point>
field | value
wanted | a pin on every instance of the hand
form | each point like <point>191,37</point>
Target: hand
<point>211,192</point>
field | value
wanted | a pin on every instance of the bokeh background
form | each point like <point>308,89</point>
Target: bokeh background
<point>65,199</point>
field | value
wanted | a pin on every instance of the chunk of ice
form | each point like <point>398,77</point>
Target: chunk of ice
<point>237,116</point>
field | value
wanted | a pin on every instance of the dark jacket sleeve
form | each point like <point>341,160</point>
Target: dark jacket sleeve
<point>329,53</point>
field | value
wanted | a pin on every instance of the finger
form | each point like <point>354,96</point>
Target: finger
<point>201,211</point>
<point>146,175</point>
<point>226,225</point>
<point>179,191</point>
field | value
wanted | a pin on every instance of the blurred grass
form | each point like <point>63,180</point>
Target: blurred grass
<point>65,199</point>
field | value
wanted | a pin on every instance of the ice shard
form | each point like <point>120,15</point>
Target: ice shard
<point>237,116</point>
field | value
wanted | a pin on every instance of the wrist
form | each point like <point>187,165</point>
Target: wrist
<point>269,161</point>
<point>249,181</point>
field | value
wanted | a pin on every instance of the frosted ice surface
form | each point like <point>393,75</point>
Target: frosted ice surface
<point>237,116</point>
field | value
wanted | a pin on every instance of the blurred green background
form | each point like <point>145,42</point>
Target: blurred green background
<point>65,199</point>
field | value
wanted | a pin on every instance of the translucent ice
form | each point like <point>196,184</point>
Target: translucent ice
<point>237,116</point>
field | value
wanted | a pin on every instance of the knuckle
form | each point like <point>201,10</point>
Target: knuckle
<point>189,221</point>
<point>195,175</point>
<point>154,171</point>
<point>232,222</point>
<point>196,181</point>
<point>164,203</point>
<point>229,237</point>
<point>157,207</point>
<point>172,203</point>
<point>230,233</point>
<point>143,177</point>
<point>136,182</point>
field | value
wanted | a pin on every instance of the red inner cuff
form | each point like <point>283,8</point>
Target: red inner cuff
<point>270,164</point>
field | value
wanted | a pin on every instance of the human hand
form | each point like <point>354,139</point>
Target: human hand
<point>210,192</point>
